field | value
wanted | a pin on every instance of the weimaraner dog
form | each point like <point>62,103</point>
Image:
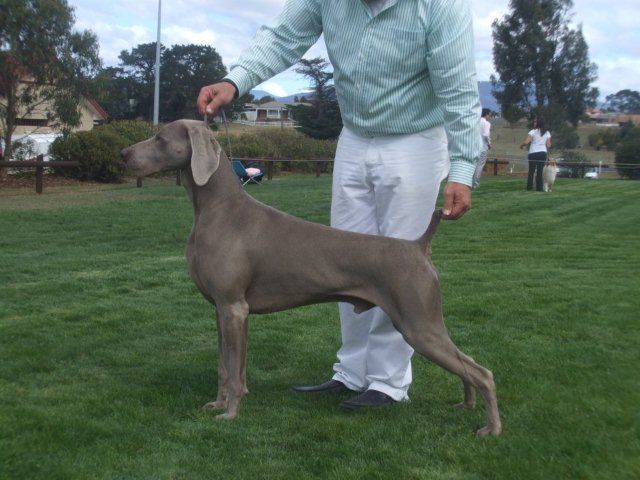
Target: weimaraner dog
<point>307,263</point>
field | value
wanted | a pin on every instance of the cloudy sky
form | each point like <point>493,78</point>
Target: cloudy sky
<point>610,28</point>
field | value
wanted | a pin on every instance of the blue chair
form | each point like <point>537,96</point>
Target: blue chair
<point>242,174</point>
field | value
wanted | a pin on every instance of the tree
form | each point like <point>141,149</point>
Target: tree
<point>266,99</point>
<point>128,90</point>
<point>628,159</point>
<point>184,71</point>
<point>43,62</point>
<point>542,63</point>
<point>572,77</point>
<point>117,93</point>
<point>625,101</point>
<point>237,107</point>
<point>322,120</point>
<point>139,67</point>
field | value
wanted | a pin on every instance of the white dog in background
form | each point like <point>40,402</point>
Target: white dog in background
<point>549,174</point>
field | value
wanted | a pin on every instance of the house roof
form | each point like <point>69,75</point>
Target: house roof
<point>272,105</point>
<point>98,109</point>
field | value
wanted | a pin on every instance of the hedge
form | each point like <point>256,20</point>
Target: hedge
<point>286,144</point>
<point>98,150</point>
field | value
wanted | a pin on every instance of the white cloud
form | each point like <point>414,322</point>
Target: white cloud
<point>273,88</point>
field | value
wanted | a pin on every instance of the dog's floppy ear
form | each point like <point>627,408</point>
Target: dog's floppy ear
<point>205,153</point>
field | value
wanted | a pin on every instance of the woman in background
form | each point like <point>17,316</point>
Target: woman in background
<point>539,141</point>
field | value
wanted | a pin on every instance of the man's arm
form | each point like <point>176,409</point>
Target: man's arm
<point>452,71</point>
<point>275,48</point>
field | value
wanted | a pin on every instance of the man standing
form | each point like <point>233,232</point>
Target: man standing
<point>406,85</point>
<point>485,134</point>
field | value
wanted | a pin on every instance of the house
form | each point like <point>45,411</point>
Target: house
<point>266,112</point>
<point>33,124</point>
<point>615,119</point>
<point>275,113</point>
<point>91,114</point>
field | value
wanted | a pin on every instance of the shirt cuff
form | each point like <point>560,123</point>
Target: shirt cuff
<point>241,79</point>
<point>462,172</point>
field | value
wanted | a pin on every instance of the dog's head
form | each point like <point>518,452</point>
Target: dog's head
<point>177,145</point>
<point>552,162</point>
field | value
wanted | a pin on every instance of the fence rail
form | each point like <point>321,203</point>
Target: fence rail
<point>40,164</point>
<point>493,164</point>
<point>269,123</point>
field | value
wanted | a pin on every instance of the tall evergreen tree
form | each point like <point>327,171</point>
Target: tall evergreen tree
<point>322,120</point>
<point>542,63</point>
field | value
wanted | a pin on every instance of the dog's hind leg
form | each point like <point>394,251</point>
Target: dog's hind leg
<point>428,336</point>
<point>469,395</point>
<point>441,350</point>
<point>232,327</point>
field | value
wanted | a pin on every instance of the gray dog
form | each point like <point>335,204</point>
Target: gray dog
<point>307,263</point>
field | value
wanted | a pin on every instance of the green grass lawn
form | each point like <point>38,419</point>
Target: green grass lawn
<point>107,351</point>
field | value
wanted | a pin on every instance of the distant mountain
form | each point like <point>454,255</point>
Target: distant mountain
<point>486,97</point>
<point>258,94</point>
<point>487,100</point>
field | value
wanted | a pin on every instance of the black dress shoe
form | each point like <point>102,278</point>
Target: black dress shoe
<point>331,386</point>
<point>368,399</point>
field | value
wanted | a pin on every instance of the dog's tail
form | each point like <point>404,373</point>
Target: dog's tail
<point>425,240</point>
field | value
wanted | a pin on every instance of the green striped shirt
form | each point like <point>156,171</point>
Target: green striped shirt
<point>406,69</point>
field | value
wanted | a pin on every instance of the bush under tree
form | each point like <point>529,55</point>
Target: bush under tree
<point>98,150</point>
<point>628,158</point>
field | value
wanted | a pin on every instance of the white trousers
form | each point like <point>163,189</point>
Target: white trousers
<point>484,154</point>
<point>386,185</point>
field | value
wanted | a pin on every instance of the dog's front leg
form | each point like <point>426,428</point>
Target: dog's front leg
<point>220,402</point>
<point>232,321</point>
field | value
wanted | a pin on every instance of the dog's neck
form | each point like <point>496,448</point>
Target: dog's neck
<point>222,187</point>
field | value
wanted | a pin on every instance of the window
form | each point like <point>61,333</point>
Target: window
<point>32,122</point>
<point>273,113</point>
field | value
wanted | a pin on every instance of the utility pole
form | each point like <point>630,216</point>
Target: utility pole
<point>156,93</point>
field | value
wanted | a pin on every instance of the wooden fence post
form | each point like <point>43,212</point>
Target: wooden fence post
<point>178,178</point>
<point>269,170</point>
<point>139,182</point>
<point>39,172</point>
<point>495,167</point>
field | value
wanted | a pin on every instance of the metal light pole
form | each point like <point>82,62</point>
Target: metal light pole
<point>156,94</point>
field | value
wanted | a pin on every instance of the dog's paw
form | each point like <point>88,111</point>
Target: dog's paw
<point>226,416</point>
<point>489,430</point>
<point>217,405</point>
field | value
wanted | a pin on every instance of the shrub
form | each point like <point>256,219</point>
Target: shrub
<point>578,163</point>
<point>280,144</point>
<point>98,150</point>
<point>606,138</point>
<point>628,159</point>
<point>131,130</point>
